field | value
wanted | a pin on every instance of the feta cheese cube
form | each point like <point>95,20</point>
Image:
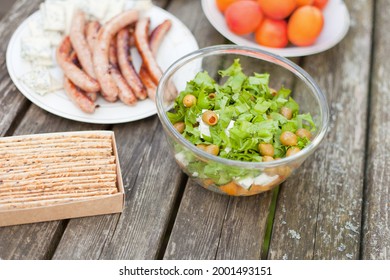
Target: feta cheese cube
<point>33,48</point>
<point>54,18</point>
<point>41,81</point>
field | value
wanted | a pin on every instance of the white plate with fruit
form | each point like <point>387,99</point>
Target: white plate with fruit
<point>258,25</point>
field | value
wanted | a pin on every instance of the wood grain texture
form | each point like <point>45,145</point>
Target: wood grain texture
<point>244,226</point>
<point>318,214</point>
<point>376,232</point>
<point>141,226</point>
<point>198,224</point>
<point>37,241</point>
<point>12,103</point>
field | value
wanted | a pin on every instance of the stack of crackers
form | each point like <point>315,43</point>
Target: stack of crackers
<point>42,170</point>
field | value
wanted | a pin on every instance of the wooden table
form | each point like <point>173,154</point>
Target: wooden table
<point>336,207</point>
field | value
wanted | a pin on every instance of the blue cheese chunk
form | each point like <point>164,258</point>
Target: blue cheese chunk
<point>41,81</point>
<point>97,9</point>
<point>54,15</point>
<point>36,48</point>
<point>36,27</point>
<point>54,37</point>
<point>36,30</point>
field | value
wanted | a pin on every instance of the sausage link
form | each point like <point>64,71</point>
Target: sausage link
<point>148,82</point>
<point>78,97</point>
<point>79,43</point>
<point>158,34</point>
<point>74,73</point>
<point>126,95</point>
<point>142,42</point>
<point>110,90</point>
<point>126,64</point>
<point>91,95</point>
<point>91,32</point>
<point>155,39</point>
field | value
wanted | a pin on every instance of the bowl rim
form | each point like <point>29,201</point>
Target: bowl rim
<point>257,54</point>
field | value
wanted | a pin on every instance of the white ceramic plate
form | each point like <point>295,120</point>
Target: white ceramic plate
<point>178,42</point>
<point>335,28</point>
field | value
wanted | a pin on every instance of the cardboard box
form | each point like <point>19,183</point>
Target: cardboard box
<point>80,208</point>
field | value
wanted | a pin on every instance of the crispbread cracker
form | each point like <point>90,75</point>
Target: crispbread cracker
<point>55,137</point>
<point>48,202</point>
<point>56,168</point>
<point>42,185</point>
<point>98,143</point>
<point>12,197</point>
<point>50,164</point>
<point>32,161</point>
<point>54,153</point>
<point>58,195</point>
<point>56,172</point>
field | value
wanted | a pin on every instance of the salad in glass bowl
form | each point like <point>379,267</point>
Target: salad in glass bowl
<point>229,129</point>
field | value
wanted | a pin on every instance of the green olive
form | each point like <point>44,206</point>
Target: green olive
<point>286,112</point>
<point>267,158</point>
<point>212,149</point>
<point>288,138</point>
<point>179,126</point>
<point>212,95</point>
<point>210,118</point>
<point>189,100</point>
<point>292,151</point>
<point>266,149</point>
<point>303,133</point>
<point>202,146</point>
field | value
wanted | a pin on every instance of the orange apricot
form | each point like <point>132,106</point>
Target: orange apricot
<point>272,33</point>
<point>305,25</point>
<point>301,3</point>
<point>243,17</point>
<point>277,9</point>
<point>223,4</point>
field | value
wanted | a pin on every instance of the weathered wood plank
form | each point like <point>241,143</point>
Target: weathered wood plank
<point>376,231</point>
<point>140,145</point>
<point>12,103</point>
<point>37,241</point>
<point>5,6</point>
<point>319,210</point>
<point>198,224</point>
<point>244,227</point>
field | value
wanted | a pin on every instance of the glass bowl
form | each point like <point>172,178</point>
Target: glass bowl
<point>232,177</point>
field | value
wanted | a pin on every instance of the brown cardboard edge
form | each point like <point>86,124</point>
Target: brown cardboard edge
<point>89,207</point>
